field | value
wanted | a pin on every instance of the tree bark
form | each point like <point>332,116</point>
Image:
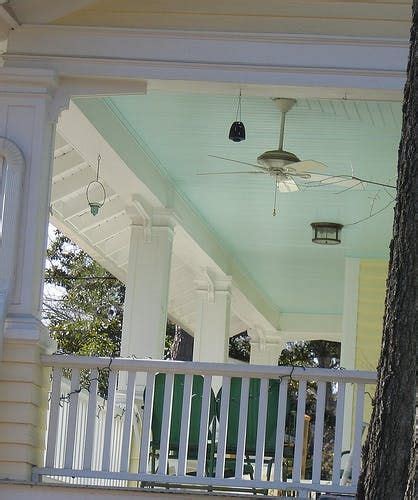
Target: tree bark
<point>387,454</point>
<point>182,347</point>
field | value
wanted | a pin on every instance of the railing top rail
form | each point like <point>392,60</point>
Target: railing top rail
<point>215,369</point>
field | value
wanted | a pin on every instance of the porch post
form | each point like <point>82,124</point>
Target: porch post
<point>25,119</point>
<point>266,347</point>
<point>145,314</point>
<point>349,340</point>
<point>213,318</point>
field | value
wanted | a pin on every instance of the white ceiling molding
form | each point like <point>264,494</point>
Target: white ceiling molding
<point>271,59</point>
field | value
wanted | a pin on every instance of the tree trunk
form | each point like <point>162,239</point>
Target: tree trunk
<point>387,455</point>
<point>182,346</point>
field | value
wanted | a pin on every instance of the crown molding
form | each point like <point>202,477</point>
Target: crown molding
<point>241,58</point>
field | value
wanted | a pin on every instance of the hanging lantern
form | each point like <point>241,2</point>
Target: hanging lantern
<point>326,233</point>
<point>95,192</point>
<point>237,130</point>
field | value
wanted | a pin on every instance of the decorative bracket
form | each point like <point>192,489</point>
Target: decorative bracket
<point>136,208</point>
<point>210,284</point>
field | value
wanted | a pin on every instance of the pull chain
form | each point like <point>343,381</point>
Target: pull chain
<point>276,186</point>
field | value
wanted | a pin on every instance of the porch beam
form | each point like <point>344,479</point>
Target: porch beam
<point>313,61</point>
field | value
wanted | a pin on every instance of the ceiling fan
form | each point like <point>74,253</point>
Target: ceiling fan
<point>289,172</point>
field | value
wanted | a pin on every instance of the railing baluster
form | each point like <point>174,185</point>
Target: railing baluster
<point>281,430</point>
<point>185,425</point>
<point>356,452</point>
<point>72,418</point>
<point>223,426</point>
<point>146,424</point>
<point>91,420</point>
<point>165,424</point>
<point>54,414</point>
<point>300,423</point>
<point>108,431</point>
<point>338,439</point>
<point>319,432</point>
<point>204,424</point>
<point>242,427</point>
<point>127,423</point>
<point>261,429</point>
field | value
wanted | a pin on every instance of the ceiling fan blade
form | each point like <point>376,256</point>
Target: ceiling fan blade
<point>287,186</point>
<point>303,166</point>
<point>228,173</point>
<point>238,161</point>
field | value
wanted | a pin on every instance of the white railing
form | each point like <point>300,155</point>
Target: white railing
<point>83,428</point>
<point>173,403</point>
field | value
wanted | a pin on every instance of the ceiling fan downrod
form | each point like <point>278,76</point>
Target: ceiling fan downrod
<point>284,106</point>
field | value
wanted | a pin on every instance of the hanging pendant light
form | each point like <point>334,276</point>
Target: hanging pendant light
<point>237,130</point>
<point>326,233</point>
<point>95,192</point>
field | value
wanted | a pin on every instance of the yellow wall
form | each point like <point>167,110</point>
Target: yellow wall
<point>371,300</point>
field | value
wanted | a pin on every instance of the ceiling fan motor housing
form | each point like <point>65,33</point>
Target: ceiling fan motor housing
<point>276,159</point>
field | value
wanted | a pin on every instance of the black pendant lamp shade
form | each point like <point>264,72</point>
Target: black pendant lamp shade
<point>237,130</point>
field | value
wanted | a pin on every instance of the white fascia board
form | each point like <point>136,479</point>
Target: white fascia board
<point>131,171</point>
<point>297,326</point>
<point>244,58</point>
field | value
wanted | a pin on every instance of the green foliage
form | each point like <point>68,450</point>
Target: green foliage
<point>84,314</point>
<point>239,347</point>
<point>83,303</point>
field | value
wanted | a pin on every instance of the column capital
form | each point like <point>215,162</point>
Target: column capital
<point>262,338</point>
<point>28,80</point>
<point>34,83</point>
<point>266,346</point>
<point>212,284</point>
<point>149,218</point>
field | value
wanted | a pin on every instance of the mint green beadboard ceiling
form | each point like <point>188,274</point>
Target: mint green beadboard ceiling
<point>180,131</point>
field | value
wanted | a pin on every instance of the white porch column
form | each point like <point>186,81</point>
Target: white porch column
<point>25,119</point>
<point>211,337</point>
<point>349,340</point>
<point>266,347</point>
<point>145,314</point>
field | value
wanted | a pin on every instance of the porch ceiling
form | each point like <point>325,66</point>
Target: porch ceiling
<point>106,237</point>
<point>178,132</point>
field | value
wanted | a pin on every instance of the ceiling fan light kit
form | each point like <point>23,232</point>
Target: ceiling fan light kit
<point>326,233</point>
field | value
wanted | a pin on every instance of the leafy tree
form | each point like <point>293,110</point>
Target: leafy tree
<point>84,310</point>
